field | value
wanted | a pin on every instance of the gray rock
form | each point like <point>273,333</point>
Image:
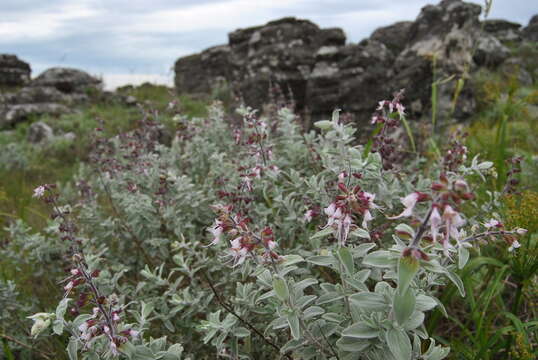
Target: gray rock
<point>70,136</point>
<point>13,71</point>
<point>395,37</point>
<point>322,72</point>
<point>530,33</point>
<point>39,132</point>
<point>37,94</point>
<point>505,31</point>
<point>490,52</point>
<point>68,81</point>
<point>15,114</point>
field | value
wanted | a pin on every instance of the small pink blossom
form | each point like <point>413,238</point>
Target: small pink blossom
<point>514,245</point>
<point>39,192</point>
<point>409,203</point>
<point>216,230</point>
<point>492,223</point>
<point>435,223</point>
<point>308,215</point>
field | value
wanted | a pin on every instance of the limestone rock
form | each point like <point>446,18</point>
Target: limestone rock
<point>37,94</point>
<point>39,132</point>
<point>13,71</point>
<point>68,80</point>
<point>530,33</point>
<point>322,72</point>
<point>15,114</point>
<point>394,37</point>
<point>503,30</point>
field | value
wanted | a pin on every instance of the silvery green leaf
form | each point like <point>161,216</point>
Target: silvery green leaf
<point>336,116</point>
<point>362,249</point>
<point>363,275</point>
<point>312,312</point>
<point>281,288</point>
<point>322,260</point>
<point>322,233</point>
<point>368,301</point>
<point>267,295</point>
<point>399,344</point>
<point>425,303</point>
<point>334,317</point>
<point>241,332</point>
<point>360,330</point>
<point>380,258</point>
<point>345,257</point>
<point>293,322</point>
<point>328,298</point>
<point>292,259</point>
<point>414,321</point>
<point>291,345</point>
<point>279,323</point>
<point>407,268</point>
<point>146,309</point>
<point>463,257</point>
<point>433,266</point>
<point>404,305</point>
<point>143,353</point>
<point>58,326</point>
<point>72,349</point>
<point>303,284</point>
<point>352,344</point>
<point>360,233</point>
<point>305,300</point>
<point>457,281</point>
<point>324,124</point>
<point>485,165</point>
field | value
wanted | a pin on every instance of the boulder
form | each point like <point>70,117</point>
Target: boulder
<point>394,37</point>
<point>322,72</point>
<point>505,31</point>
<point>36,94</point>
<point>447,32</point>
<point>68,81</point>
<point>13,71</point>
<point>39,132</point>
<point>351,79</point>
<point>530,33</point>
<point>12,115</point>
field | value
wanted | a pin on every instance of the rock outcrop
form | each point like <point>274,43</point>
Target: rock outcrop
<point>51,93</point>
<point>323,72</point>
<point>13,71</point>
<point>530,33</point>
<point>69,81</point>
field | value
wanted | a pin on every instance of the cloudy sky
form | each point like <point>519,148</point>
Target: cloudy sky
<point>130,41</point>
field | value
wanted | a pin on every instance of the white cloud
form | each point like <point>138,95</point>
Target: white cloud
<point>20,27</point>
<point>112,81</point>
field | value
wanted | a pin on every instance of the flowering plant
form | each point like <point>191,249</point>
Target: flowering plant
<point>261,241</point>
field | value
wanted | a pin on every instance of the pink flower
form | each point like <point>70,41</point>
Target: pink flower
<point>238,251</point>
<point>435,223</point>
<point>309,214</point>
<point>39,192</point>
<point>409,202</point>
<point>333,212</point>
<point>492,223</point>
<point>453,221</point>
<point>514,245</point>
<point>69,286</point>
<point>401,109</point>
<point>216,230</point>
<point>521,231</point>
